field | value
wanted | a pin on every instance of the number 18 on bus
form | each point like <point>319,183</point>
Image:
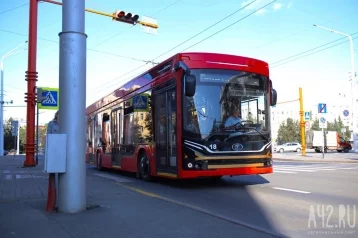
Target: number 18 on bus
<point>193,115</point>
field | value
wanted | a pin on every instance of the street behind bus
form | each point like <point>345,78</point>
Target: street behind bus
<point>246,206</point>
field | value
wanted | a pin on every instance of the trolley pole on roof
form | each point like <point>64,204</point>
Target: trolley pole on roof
<point>72,84</point>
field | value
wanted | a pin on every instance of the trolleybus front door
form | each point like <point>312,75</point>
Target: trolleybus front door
<point>165,130</point>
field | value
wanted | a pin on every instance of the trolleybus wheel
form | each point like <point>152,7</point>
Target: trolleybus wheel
<point>99,162</point>
<point>144,167</point>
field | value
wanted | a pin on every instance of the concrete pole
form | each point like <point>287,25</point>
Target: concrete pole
<point>2,109</point>
<point>18,141</point>
<point>72,82</point>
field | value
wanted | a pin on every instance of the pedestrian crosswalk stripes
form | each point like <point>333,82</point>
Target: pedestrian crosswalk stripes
<point>294,168</point>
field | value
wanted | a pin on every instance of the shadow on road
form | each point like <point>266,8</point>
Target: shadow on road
<point>228,197</point>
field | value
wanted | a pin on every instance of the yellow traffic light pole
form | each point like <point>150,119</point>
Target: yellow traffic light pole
<point>302,124</point>
<point>112,15</point>
<point>302,121</point>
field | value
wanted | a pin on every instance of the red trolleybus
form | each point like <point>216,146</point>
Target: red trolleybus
<point>179,119</point>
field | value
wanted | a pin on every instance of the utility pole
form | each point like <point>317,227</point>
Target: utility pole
<point>31,78</point>
<point>72,82</point>
<point>302,124</point>
<point>353,87</point>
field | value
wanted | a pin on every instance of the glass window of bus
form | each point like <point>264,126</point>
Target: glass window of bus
<point>218,92</point>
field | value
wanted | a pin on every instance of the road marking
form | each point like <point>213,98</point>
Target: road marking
<point>299,170</point>
<point>290,190</point>
<point>115,178</point>
<point>284,172</point>
<point>8,177</point>
<point>201,210</point>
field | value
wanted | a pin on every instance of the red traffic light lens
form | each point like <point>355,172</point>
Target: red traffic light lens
<point>121,14</point>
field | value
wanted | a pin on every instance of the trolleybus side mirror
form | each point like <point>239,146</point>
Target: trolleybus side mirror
<point>189,85</point>
<point>273,97</point>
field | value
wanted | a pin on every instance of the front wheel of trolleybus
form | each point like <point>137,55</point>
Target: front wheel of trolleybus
<point>144,167</point>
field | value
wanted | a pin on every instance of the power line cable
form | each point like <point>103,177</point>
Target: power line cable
<point>129,28</point>
<point>98,51</point>
<point>312,52</point>
<point>135,69</point>
<point>306,51</point>
<point>14,8</point>
<point>230,25</point>
<point>206,29</point>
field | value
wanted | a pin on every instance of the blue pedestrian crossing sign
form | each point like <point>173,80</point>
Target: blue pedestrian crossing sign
<point>49,98</point>
<point>307,116</point>
<point>322,108</point>
<point>140,102</point>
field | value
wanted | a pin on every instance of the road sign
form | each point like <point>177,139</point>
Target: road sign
<point>322,108</point>
<point>346,113</point>
<point>140,102</point>
<point>14,128</point>
<point>322,122</point>
<point>307,116</point>
<point>51,99</point>
<point>307,125</point>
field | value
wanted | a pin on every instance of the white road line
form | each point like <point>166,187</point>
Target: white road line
<point>8,177</point>
<point>115,178</point>
<point>284,172</point>
<point>290,190</point>
<point>306,167</point>
<point>299,170</point>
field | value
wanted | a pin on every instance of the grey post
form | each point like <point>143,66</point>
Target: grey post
<point>72,84</point>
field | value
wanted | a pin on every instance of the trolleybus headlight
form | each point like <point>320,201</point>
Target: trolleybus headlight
<point>190,165</point>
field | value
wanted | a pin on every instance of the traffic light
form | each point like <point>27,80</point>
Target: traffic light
<point>125,17</point>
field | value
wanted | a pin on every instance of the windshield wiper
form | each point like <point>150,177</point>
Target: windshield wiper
<point>258,132</point>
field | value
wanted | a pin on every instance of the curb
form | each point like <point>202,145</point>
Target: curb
<point>318,161</point>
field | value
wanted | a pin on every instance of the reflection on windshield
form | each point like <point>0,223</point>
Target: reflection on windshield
<point>227,103</point>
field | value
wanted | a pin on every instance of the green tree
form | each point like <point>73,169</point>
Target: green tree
<point>289,131</point>
<point>22,139</point>
<point>315,125</point>
<point>336,125</point>
<point>9,139</point>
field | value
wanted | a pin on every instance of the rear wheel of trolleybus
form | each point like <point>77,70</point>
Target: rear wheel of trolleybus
<point>144,167</point>
<point>99,161</point>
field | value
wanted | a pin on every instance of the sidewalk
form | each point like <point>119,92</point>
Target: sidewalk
<point>117,211</point>
<point>317,157</point>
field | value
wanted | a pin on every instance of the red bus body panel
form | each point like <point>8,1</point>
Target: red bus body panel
<point>141,84</point>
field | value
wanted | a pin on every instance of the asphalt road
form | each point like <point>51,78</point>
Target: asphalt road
<point>284,202</point>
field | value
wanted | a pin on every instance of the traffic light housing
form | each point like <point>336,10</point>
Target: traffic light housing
<point>126,17</point>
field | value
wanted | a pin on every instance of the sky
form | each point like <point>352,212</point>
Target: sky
<point>279,34</point>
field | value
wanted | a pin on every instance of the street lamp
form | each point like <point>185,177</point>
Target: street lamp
<point>11,52</point>
<point>353,87</point>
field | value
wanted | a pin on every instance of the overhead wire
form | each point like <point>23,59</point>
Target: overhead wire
<point>229,25</point>
<point>14,8</point>
<point>211,26</point>
<point>129,28</point>
<point>317,47</point>
<point>98,51</point>
<point>137,68</point>
<point>329,47</point>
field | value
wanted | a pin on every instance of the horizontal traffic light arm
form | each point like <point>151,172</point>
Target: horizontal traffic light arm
<point>112,15</point>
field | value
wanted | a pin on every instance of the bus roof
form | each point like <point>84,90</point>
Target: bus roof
<point>193,60</point>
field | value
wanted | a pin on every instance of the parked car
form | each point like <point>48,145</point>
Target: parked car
<point>290,146</point>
